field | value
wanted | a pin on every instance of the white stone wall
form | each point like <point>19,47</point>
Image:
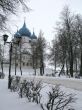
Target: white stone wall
<point>26,43</point>
<point>25,47</point>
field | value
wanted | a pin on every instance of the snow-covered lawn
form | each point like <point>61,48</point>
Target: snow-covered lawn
<point>11,101</point>
<point>78,96</point>
<point>72,83</point>
<point>67,82</point>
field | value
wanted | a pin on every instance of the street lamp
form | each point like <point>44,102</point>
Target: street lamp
<point>5,37</point>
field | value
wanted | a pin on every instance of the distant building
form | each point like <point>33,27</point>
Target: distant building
<point>26,40</point>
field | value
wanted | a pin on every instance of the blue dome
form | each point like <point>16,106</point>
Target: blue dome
<point>33,36</point>
<point>17,34</point>
<point>24,31</point>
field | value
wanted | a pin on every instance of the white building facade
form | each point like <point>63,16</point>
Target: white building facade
<point>23,54</point>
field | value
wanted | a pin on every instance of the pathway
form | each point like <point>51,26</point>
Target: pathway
<point>72,83</point>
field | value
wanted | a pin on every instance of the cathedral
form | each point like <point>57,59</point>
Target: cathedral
<point>27,38</point>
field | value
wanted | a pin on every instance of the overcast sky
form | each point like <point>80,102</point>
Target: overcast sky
<point>44,15</point>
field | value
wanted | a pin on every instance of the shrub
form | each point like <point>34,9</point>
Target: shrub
<point>31,90</point>
<point>15,83</point>
<point>35,89</point>
<point>58,100</point>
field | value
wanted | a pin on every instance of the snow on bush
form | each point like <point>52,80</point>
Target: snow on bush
<point>15,83</point>
<point>57,99</point>
<point>29,89</point>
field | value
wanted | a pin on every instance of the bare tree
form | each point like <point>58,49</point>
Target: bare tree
<point>41,45</point>
<point>66,40</point>
<point>79,36</point>
<point>8,7</point>
<point>68,25</point>
<point>34,55</point>
<point>58,100</point>
<point>53,55</point>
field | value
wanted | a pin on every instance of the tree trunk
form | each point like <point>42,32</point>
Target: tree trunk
<point>20,60</point>
<point>2,59</point>
<point>41,65</point>
<point>35,70</point>
<point>41,71</point>
<point>10,59</point>
<point>66,68</point>
<point>81,64</point>
<point>15,59</point>
<point>71,67</point>
<point>52,104</point>
<point>2,65</point>
<point>42,68</point>
<point>55,65</point>
<point>62,70</point>
<point>76,66</point>
<point>71,60</point>
<point>33,60</point>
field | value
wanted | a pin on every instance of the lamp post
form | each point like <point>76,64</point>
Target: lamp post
<point>10,58</point>
<point>5,37</point>
<point>2,60</point>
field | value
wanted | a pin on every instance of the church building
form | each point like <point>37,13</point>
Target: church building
<point>23,53</point>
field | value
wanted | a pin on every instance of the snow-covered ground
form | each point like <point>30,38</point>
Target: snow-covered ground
<point>67,82</point>
<point>78,96</point>
<point>72,83</point>
<point>11,101</point>
<point>26,70</point>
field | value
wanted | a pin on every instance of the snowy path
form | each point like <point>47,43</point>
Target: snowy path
<point>11,101</point>
<point>72,83</point>
<point>75,84</point>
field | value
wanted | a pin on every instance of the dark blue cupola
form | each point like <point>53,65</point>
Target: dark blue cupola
<point>17,34</point>
<point>33,35</point>
<point>24,31</point>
